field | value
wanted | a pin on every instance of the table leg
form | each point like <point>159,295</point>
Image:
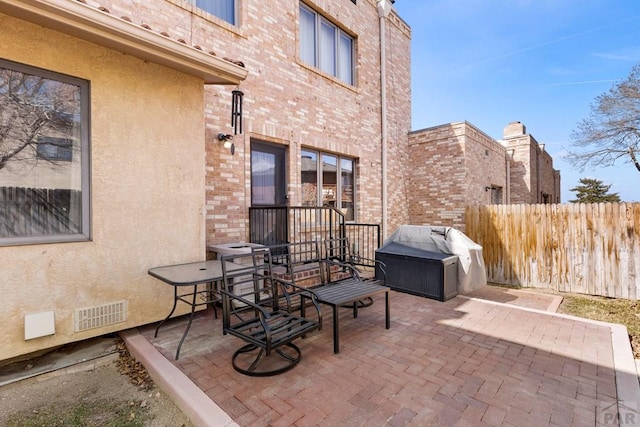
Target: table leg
<point>175,303</point>
<point>212,299</point>
<point>186,331</point>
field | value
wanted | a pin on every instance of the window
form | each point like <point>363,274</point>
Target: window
<point>44,156</point>
<point>49,148</point>
<point>325,46</point>
<point>223,9</point>
<point>328,180</point>
<point>496,195</point>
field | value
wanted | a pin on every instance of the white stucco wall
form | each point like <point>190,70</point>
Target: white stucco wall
<point>147,192</point>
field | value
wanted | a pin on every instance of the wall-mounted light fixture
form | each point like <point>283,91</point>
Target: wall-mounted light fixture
<point>487,188</point>
<point>228,142</point>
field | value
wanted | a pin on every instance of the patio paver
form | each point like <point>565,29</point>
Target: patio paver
<point>462,362</point>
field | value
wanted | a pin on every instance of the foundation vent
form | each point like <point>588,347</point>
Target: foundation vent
<point>100,315</point>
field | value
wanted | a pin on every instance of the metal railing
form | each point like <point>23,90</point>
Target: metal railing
<point>364,239</point>
<point>274,225</point>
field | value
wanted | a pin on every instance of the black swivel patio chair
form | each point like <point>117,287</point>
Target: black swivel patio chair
<point>257,307</point>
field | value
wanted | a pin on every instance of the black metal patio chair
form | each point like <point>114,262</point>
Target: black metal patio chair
<point>257,307</point>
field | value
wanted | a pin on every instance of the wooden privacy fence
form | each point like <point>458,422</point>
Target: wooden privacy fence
<point>584,248</point>
<point>38,211</point>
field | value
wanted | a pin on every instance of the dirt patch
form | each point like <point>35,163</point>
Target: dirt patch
<point>116,393</point>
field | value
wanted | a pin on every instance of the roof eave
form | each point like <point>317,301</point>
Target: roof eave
<point>85,22</point>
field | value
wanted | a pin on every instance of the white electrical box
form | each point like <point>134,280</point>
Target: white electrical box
<point>39,325</point>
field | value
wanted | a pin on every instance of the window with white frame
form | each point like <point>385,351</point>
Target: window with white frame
<point>328,180</point>
<point>44,156</point>
<point>325,46</point>
<point>223,9</point>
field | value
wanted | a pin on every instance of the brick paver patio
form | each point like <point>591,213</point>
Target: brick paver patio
<point>461,362</point>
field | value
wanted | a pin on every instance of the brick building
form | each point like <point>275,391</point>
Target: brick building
<point>322,128</point>
<point>456,165</point>
<point>533,178</point>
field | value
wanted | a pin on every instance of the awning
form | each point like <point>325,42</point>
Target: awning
<point>88,23</point>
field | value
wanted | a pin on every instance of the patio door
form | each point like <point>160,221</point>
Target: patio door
<point>269,224</point>
<point>268,175</point>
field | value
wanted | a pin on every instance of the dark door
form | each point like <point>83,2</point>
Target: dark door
<point>268,194</point>
<point>268,175</point>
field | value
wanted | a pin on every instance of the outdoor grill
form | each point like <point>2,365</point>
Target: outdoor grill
<point>418,271</point>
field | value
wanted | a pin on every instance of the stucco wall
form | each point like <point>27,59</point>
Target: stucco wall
<point>147,182</point>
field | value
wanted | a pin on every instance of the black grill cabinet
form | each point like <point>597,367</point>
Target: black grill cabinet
<point>419,272</point>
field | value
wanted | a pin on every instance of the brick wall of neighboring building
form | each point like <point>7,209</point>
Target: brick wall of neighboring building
<point>486,181</point>
<point>452,166</point>
<point>533,178</point>
<point>289,103</point>
<point>438,173</point>
<point>456,165</point>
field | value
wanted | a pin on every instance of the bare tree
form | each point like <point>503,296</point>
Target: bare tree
<point>29,107</point>
<point>612,130</point>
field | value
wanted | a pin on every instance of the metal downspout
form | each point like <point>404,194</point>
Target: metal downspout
<point>384,7</point>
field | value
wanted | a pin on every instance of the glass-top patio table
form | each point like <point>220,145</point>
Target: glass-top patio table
<point>187,277</point>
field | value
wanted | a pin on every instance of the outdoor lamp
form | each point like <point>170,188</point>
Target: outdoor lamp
<point>228,142</point>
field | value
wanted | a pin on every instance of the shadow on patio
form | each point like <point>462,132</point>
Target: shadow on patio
<point>461,362</point>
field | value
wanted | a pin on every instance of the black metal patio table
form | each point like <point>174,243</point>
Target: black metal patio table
<point>349,292</point>
<point>187,277</point>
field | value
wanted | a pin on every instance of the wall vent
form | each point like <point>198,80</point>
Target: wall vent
<point>100,315</point>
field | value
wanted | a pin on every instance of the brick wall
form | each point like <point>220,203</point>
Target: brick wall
<point>436,185</point>
<point>485,158</point>
<point>457,165</point>
<point>292,104</point>
<point>533,178</point>
<point>452,166</point>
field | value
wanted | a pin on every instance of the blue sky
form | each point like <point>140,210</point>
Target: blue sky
<point>540,62</point>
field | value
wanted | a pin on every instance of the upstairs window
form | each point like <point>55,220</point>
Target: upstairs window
<point>223,9</point>
<point>325,46</point>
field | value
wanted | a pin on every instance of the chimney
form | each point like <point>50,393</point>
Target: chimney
<point>514,129</point>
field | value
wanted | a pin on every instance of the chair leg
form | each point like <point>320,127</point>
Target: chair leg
<point>387,311</point>
<point>261,365</point>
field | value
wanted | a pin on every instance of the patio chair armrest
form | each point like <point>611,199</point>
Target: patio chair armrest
<point>305,292</point>
<point>249,303</point>
<point>343,264</point>
<point>382,266</point>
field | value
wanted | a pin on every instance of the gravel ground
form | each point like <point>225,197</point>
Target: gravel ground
<point>115,393</point>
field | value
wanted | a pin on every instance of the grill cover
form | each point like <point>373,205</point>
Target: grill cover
<point>471,273</point>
